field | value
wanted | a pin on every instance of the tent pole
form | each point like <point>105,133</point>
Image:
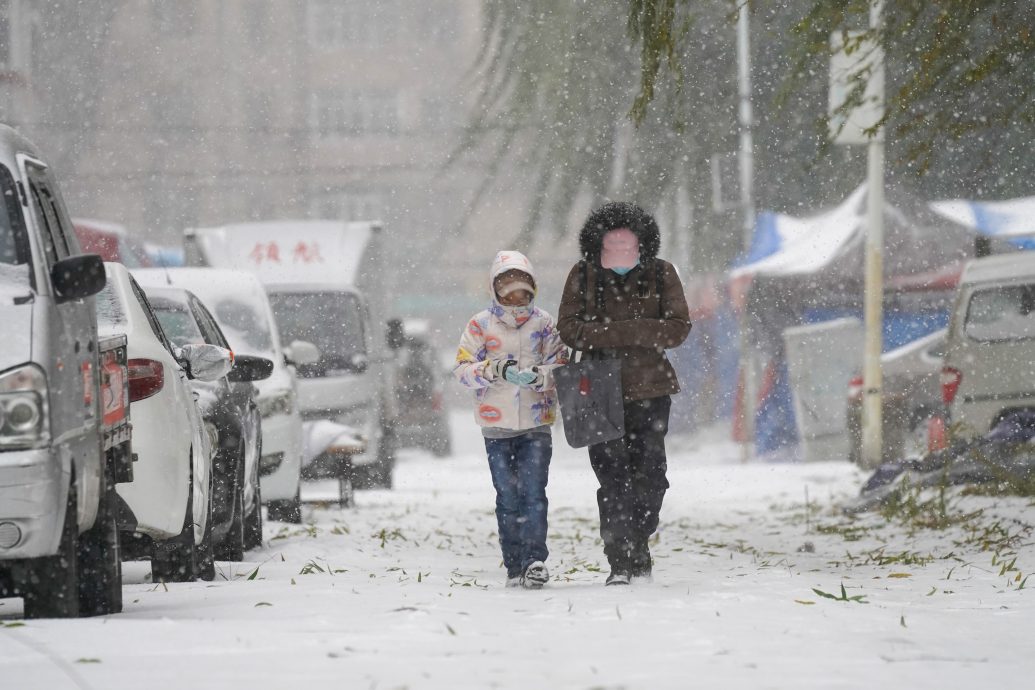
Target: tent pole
<point>872,437</point>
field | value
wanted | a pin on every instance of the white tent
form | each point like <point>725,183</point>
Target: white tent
<point>1012,218</point>
<point>806,245</point>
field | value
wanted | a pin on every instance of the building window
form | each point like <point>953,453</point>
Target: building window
<point>336,112</point>
<point>174,19</point>
<point>342,23</point>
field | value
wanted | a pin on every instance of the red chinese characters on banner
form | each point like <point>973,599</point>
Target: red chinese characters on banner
<point>265,251</point>
<point>307,253</point>
<point>303,253</point>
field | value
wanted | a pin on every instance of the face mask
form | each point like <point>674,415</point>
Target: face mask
<point>623,271</point>
<point>520,314</point>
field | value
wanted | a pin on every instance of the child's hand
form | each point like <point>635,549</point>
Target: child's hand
<point>525,377</point>
<point>501,368</point>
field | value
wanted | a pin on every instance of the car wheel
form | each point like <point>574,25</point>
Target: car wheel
<point>100,557</point>
<point>286,510</point>
<point>231,546</point>
<point>175,560</point>
<point>51,589</point>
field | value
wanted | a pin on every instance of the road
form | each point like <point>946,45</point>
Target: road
<point>406,591</point>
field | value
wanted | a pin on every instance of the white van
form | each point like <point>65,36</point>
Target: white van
<point>989,366</point>
<point>326,284</point>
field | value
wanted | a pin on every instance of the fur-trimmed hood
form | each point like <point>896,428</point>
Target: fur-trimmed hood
<point>614,215</point>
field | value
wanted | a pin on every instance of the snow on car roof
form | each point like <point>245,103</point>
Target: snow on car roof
<point>1002,267</point>
<point>236,299</point>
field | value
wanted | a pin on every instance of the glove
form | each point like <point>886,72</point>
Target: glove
<point>499,368</point>
<point>526,377</point>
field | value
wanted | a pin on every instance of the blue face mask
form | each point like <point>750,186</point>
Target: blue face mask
<point>623,271</point>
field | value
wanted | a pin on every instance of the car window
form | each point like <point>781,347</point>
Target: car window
<point>209,329</point>
<point>14,248</point>
<point>152,320</point>
<point>177,322</point>
<point>1001,313</point>
<point>45,206</point>
<point>330,320</point>
<point>244,324</point>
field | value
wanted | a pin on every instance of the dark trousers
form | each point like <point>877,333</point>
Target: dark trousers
<point>631,472</point>
<point>520,468</point>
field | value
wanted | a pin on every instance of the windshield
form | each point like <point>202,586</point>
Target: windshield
<point>177,322</point>
<point>243,324</point>
<point>1004,313</point>
<point>330,320</point>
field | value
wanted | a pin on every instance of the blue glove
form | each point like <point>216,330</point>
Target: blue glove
<point>525,377</point>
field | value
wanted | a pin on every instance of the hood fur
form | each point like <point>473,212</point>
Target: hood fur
<point>614,215</point>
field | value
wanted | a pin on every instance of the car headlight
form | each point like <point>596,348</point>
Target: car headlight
<point>278,403</point>
<point>24,413</point>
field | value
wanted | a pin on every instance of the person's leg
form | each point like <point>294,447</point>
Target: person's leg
<point>646,426</point>
<point>508,505</point>
<point>610,462</point>
<point>533,452</point>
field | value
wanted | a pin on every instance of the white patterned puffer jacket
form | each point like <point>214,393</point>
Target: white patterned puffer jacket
<point>528,336</point>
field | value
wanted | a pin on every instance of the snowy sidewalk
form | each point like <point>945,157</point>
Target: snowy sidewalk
<point>406,591</point>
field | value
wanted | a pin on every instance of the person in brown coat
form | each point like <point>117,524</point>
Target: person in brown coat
<point>621,301</point>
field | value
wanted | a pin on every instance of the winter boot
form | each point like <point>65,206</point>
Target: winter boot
<point>617,577</point>
<point>536,575</point>
<point>514,581</point>
<point>641,577</point>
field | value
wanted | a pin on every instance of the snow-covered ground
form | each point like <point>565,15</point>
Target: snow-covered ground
<point>406,591</point>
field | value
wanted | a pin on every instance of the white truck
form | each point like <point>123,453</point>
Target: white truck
<point>326,284</point>
<point>64,405</point>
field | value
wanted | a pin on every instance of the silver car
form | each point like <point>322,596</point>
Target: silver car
<point>989,367</point>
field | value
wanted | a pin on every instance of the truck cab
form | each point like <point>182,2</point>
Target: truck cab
<point>58,533</point>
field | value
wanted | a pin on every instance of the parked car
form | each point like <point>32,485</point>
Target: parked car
<point>912,399</point>
<point>64,432</point>
<point>422,419</point>
<point>327,284</point>
<point>231,418</point>
<point>111,242</point>
<point>170,497</point>
<point>989,367</point>
<point>242,310</point>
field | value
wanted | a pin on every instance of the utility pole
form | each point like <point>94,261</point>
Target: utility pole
<point>872,436</point>
<point>747,203</point>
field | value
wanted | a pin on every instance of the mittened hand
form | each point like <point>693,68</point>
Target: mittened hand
<point>501,368</point>
<point>525,377</point>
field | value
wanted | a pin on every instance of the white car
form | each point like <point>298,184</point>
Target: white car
<point>240,306</point>
<point>170,493</point>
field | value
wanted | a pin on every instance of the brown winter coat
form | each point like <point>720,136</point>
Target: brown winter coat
<point>604,314</point>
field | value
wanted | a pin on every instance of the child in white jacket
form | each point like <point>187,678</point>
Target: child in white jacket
<point>507,355</point>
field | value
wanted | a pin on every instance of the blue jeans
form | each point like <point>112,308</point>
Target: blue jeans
<point>520,468</point>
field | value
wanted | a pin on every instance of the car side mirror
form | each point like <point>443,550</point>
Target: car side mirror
<point>77,277</point>
<point>250,368</point>
<point>205,362</point>
<point>301,352</point>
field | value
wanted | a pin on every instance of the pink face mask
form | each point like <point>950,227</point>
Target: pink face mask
<point>621,249</point>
